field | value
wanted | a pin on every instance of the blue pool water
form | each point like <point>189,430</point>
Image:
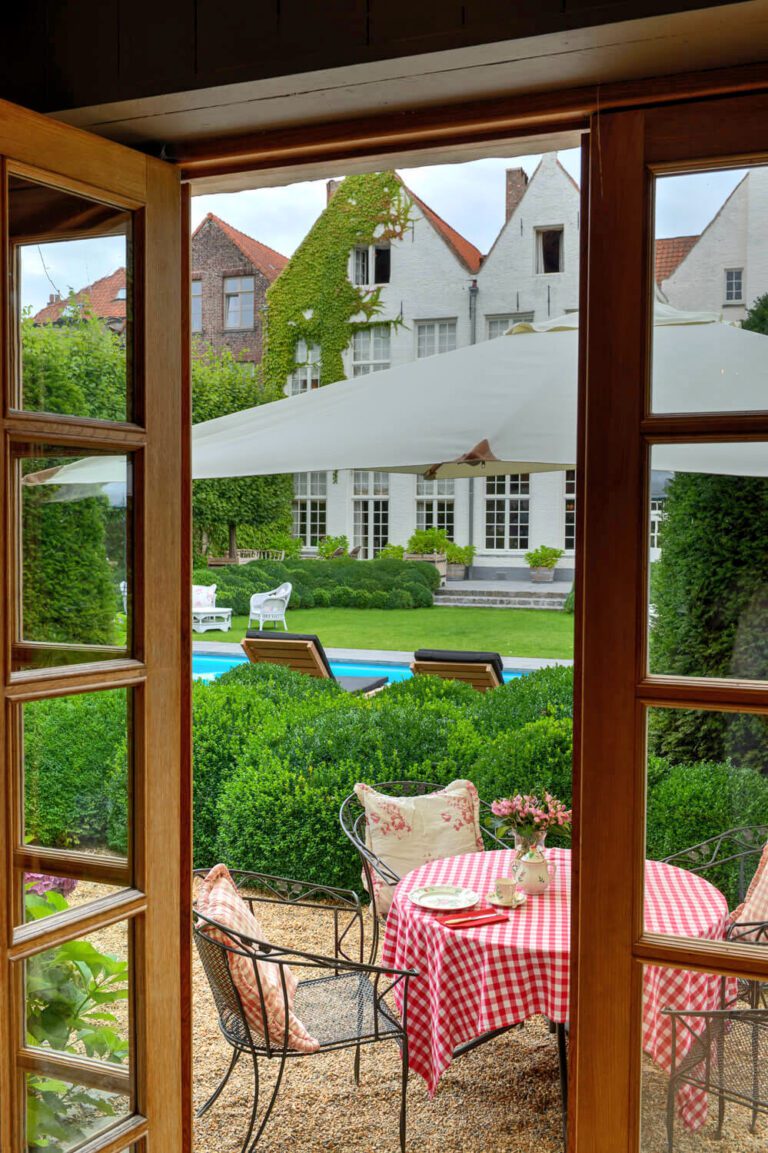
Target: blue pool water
<point>208,666</point>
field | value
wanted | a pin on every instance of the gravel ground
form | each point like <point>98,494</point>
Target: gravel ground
<point>504,1096</point>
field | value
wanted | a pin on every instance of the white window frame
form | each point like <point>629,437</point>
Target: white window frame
<point>371,349</point>
<point>306,374</point>
<point>370,511</point>
<point>196,305</point>
<point>728,297</point>
<point>310,509</point>
<point>362,270</point>
<point>236,288</point>
<point>509,496</point>
<point>540,233</point>
<point>435,504</point>
<point>656,519</point>
<point>569,511</point>
<point>434,337</point>
<point>496,326</point>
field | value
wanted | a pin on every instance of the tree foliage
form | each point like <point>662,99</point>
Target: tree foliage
<point>756,319</point>
<point>221,384</point>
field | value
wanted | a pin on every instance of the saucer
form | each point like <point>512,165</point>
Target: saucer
<point>513,903</point>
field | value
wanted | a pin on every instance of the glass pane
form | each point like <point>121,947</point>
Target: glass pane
<point>43,894</point>
<point>710,289</point>
<point>708,593</point>
<point>74,563</point>
<point>75,766</point>
<point>72,292</point>
<point>705,1055</point>
<point>707,825</point>
<point>77,997</point>
<point>61,1115</point>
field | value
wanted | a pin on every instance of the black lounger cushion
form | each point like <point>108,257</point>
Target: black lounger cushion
<point>463,656</point>
<point>270,635</point>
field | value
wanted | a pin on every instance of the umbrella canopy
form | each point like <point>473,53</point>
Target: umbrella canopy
<point>506,405</point>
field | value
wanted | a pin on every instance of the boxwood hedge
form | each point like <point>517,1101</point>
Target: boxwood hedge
<point>275,753</point>
<point>342,583</point>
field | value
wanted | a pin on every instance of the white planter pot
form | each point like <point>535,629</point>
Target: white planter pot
<point>456,572</point>
<point>540,575</point>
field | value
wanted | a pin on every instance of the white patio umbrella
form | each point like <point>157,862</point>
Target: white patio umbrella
<point>506,405</point>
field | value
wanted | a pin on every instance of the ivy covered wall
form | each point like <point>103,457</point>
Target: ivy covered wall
<point>313,299</point>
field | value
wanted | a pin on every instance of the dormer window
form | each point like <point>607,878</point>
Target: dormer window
<point>549,250</point>
<point>120,294</point>
<point>371,264</point>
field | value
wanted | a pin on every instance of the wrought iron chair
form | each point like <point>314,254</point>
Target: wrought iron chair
<point>726,1054</point>
<point>743,845</point>
<point>352,818</point>
<point>715,854</point>
<point>340,998</point>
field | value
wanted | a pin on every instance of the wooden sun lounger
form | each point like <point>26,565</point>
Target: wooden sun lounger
<point>481,670</point>
<point>304,653</point>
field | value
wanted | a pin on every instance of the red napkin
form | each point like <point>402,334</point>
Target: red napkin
<point>472,918</point>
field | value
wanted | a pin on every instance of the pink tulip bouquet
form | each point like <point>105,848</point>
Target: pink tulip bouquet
<point>530,818</point>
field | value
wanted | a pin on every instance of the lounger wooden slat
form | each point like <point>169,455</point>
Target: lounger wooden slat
<point>480,676</point>
<point>301,656</point>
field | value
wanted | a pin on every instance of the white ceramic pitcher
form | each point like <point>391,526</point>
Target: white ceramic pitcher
<point>534,873</point>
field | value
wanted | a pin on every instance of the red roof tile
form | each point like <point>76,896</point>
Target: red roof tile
<point>671,252</point>
<point>101,298</point>
<point>470,256</point>
<point>268,262</point>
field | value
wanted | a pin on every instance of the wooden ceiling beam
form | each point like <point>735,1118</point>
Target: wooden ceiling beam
<point>476,121</point>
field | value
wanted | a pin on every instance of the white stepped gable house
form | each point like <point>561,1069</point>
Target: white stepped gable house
<point>443,294</point>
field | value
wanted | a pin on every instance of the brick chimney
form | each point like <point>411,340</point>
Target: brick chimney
<point>517,182</point>
<point>331,186</point>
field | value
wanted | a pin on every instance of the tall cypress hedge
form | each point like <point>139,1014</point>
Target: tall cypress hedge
<point>711,598</point>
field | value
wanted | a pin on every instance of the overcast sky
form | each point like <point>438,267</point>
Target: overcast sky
<point>469,196</point>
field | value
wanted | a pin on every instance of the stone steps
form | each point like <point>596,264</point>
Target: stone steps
<point>501,599</point>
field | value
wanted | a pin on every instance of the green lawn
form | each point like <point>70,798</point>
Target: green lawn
<point>511,632</point>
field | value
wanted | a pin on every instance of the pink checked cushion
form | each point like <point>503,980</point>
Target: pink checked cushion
<point>219,899</point>
<point>406,832</point>
<point>754,907</point>
<point>203,596</point>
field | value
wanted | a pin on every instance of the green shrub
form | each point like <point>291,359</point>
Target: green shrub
<point>689,803</point>
<point>72,746</point>
<point>379,599</point>
<point>460,554</point>
<point>322,598</point>
<point>400,599</point>
<point>428,541</point>
<point>569,604</point>
<point>532,759</point>
<point>545,692</point>
<point>390,552</point>
<point>329,544</point>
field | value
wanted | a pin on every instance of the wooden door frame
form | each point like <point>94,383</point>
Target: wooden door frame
<point>627,150</point>
<point>158,901</point>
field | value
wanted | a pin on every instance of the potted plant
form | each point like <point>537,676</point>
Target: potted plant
<point>542,561</point>
<point>429,544</point>
<point>459,559</point>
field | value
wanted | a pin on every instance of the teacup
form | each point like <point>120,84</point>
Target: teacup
<point>506,888</point>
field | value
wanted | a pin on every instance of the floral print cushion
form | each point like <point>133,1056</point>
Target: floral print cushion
<point>258,982</point>
<point>203,596</point>
<point>406,832</point>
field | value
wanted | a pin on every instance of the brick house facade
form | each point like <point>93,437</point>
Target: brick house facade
<point>231,273</point>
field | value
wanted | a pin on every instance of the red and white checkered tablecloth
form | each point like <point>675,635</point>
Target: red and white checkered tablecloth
<point>476,980</point>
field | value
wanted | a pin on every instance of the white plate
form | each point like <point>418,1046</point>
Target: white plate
<point>444,897</point>
<point>518,899</point>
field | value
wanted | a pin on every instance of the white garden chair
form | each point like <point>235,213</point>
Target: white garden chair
<point>270,606</point>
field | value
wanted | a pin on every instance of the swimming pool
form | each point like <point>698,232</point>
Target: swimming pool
<point>208,666</point>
